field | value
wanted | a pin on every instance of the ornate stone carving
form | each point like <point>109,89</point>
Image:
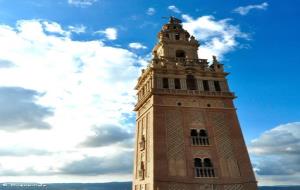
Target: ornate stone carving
<point>177,186</point>
<point>201,153</point>
<point>234,187</point>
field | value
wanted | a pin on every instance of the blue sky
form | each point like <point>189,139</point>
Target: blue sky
<point>64,59</point>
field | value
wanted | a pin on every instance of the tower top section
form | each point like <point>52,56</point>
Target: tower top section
<point>175,56</point>
<point>173,37</point>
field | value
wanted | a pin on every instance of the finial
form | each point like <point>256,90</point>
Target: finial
<point>215,61</point>
<point>174,20</point>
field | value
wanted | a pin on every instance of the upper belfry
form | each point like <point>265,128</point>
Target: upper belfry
<point>175,42</point>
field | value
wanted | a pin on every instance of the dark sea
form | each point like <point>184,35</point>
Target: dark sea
<point>98,186</point>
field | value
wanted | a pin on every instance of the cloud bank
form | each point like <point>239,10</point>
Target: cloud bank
<point>277,154</point>
<point>50,81</point>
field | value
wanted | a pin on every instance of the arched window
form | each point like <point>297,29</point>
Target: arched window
<point>177,36</point>
<point>194,133</point>
<point>202,133</point>
<point>197,162</point>
<point>180,54</point>
<point>207,162</point>
<point>199,138</point>
<point>203,168</point>
<point>191,82</point>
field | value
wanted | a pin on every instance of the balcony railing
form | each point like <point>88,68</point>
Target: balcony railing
<point>193,92</point>
<point>204,172</point>
<point>200,141</point>
<point>190,61</point>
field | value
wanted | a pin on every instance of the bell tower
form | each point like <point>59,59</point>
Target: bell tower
<point>187,131</point>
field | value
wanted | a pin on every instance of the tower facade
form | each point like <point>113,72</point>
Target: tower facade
<point>187,131</point>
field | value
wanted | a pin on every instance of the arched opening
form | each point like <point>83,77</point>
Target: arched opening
<point>180,54</point>
<point>207,163</point>
<point>191,82</point>
<point>177,36</point>
<point>198,167</point>
<point>194,133</point>
<point>202,133</point>
<point>197,162</point>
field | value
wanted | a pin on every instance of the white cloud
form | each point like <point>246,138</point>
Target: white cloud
<point>246,9</point>
<point>77,29</point>
<point>151,11</point>
<point>86,83</point>
<point>137,45</point>
<point>110,33</point>
<point>82,3</point>
<point>217,37</point>
<point>174,9</point>
<point>276,155</point>
<point>54,28</point>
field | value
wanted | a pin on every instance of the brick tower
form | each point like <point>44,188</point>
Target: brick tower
<point>187,135</point>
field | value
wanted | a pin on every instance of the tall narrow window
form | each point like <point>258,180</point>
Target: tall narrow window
<point>177,36</point>
<point>205,85</point>
<point>191,82</point>
<point>208,168</point>
<point>165,83</point>
<point>198,167</point>
<point>217,85</point>
<point>177,83</point>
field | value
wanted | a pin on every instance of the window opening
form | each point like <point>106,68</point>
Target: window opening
<point>217,85</point>
<point>199,138</point>
<point>177,83</point>
<point>191,82</point>
<point>205,85</point>
<point>165,83</point>
<point>180,54</point>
